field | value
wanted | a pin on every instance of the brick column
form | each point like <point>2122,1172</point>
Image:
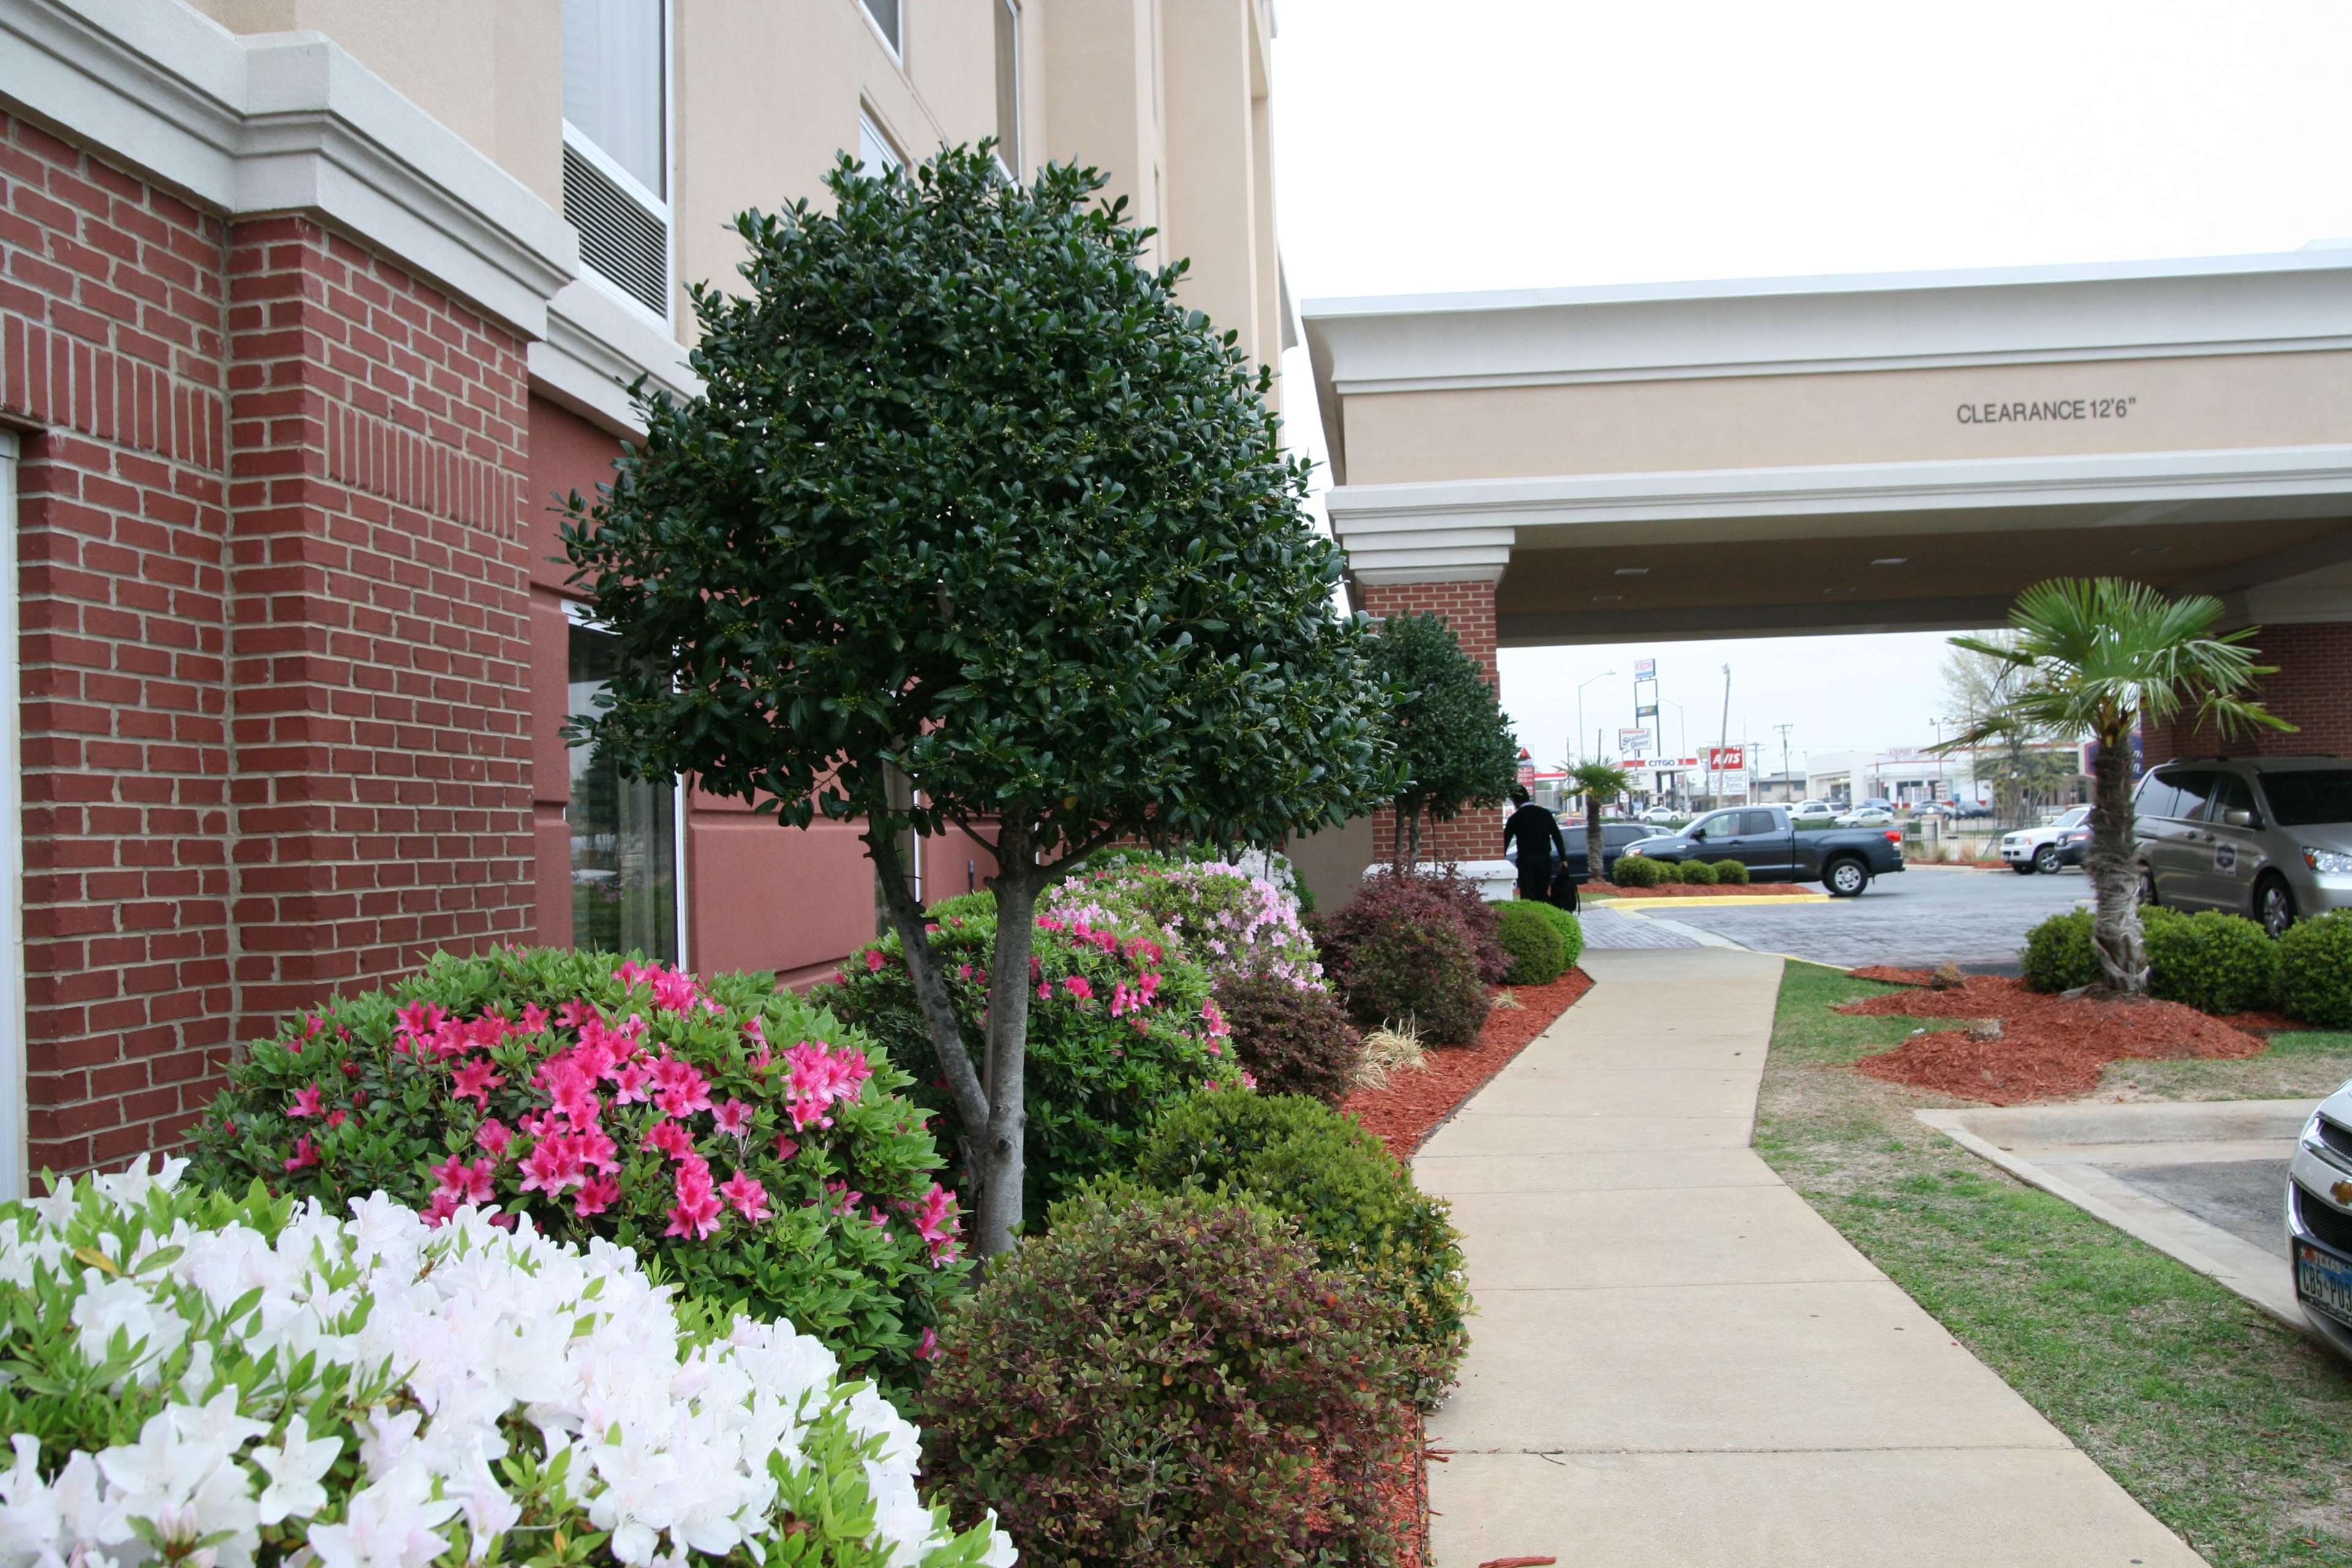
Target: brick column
<point>1469,609</point>
<point>2312,690</point>
<point>379,641</point>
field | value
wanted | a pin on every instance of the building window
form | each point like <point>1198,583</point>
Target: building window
<point>885,14</point>
<point>876,155</point>
<point>624,831</point>
<point>616,141</point>
<point>1008,87</point>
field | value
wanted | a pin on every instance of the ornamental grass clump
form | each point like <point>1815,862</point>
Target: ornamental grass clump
<point>1355,1203</point>
<point>1169,1379</point>
<point>1291,1040</point>
<point>1229,923</point>
<point>761,1151</point>
<point>199,1378</point>
<point>1119,1024</point>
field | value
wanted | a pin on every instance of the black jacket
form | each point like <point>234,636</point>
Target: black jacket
<point>1537,833</point>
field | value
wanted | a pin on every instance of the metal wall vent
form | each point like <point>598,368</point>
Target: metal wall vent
<point>618,236</point>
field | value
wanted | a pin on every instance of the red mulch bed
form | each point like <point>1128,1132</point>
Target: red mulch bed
<point>1415,1104</point>
<point>2049,1047</point>
<point>1700,890</point>
<point>1402,1115</point>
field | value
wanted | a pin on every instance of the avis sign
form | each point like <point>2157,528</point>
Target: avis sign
<point>1727,758</point>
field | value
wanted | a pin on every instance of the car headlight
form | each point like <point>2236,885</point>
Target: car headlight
<point>2333,862</point>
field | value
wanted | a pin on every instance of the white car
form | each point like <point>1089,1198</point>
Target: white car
<point>2031,849</point>
<point>1868,816</point>
<point>1663,813</point>
<point>2319,1219</point>
<point>1811,808</point>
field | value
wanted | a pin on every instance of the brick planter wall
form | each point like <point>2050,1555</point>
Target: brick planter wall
<point>1469,610</point>
<point>271,589</point>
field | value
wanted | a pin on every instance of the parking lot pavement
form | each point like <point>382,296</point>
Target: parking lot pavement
<point>1612,929</point>
<point>1919,918</point>
<point>2243,1197</point>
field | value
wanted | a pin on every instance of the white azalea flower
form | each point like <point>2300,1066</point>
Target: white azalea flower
<point>295,1467</point>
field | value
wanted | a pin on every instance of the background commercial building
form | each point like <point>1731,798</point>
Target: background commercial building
<point>310,309</point>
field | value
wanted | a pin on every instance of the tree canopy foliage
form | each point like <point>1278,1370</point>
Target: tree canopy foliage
<point>975,527</point>
<point>1454,741</point>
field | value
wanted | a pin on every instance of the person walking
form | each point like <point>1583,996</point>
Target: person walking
<point>1537,833</point>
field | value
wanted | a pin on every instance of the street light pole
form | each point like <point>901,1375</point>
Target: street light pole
<point>1579,710</point>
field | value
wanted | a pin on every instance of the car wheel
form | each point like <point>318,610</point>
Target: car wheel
<point>1845,879</point>
<point>2045,859</point>
<point>2275,904</point>
<point>2148,890</point>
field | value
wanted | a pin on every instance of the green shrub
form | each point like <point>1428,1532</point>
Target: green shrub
<point>1639,871</point>
<point>1168,1379</point>
<point>1292,1041</point>
<point>2058,955</point>
<point>2212,962</point>
<point>534,1078</point>
<point>1731,872</point>
<point>2315,970</point>
<point>1570,930</point>
<point>1692,873</point>
<point>1537,955</point>
<point>1418,972</point>
<point>1121,1026</point>
<point>1357,1206</point>
<point>965,905</point>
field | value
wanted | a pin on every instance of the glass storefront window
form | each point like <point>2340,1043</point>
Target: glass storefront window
<point>624,832</point>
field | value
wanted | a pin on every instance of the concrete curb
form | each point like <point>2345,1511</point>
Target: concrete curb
<point>1733,899</point>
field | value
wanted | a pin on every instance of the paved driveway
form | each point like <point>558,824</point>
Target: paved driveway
<point>1976,919</point>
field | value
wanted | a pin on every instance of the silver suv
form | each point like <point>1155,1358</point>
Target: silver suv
<point>2266,837</point>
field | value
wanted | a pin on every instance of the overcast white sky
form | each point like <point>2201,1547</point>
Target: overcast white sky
<point>1516,144</point>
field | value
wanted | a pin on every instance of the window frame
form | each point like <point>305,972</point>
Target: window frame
<point>580,142</point>
<point>898,47</point>
<point>578,616</point>
<point>1018,161</point>
<point>870,123</point>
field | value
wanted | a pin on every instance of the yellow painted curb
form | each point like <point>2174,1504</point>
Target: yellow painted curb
<point>1733,900</point>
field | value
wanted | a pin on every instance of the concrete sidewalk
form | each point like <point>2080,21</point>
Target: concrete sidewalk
<point>1677,1363</point>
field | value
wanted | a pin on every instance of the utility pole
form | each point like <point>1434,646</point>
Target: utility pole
<point>1723,736</point>
<point>1784,730</point>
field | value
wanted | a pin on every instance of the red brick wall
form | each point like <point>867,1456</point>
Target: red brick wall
<point>2313,689</point>
<point>272,724</point>
<point>1469,609</point>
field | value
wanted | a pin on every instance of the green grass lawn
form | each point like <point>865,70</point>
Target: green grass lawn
<point>2234,1431</point>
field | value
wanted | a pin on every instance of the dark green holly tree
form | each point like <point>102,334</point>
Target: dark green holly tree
<point>1455,743</point>
<point>970,503</point>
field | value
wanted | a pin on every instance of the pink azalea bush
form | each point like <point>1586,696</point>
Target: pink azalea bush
<point>1121,1024</point>
<point>755,1149</point>
<point>1229,922</point>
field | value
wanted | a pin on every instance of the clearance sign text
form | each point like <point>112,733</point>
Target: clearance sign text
<point>2049,408</point>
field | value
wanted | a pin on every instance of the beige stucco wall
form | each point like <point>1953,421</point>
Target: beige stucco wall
<point>767,92</point>
<point>1862,417</point>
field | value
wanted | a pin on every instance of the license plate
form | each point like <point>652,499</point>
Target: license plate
<point>2324,1281</point>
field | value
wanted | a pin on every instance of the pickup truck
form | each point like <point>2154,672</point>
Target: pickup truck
<point>1762,838</point>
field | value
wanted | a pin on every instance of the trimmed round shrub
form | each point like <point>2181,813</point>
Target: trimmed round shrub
<point>1357,1207</point>
<point>1228,922</point>
<point>964,905</point>
<point>1291,1040</point>
<point>1640,871</point>
<point>1731,872</point>
<point>1419,972</point>
<point>2212,962</point>
<point>1534,944</point>
<point>757,1147</point>
<point>1168,1379</point>
<point>2058,954</point>
<point>174,1347</point>
<point>1428,898</point>
<point>1570,930</point>
<point>1119,1027</point>
<point>1693,873</point>
<point>2315,970</point>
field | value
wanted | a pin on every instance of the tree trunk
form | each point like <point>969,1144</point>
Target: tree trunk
<point>1396,853</point>
<point>998,1147</point>
<point>2115,878</point>
<point>1412,845</point>
<point>932,995</point>
<point>1595,862</point>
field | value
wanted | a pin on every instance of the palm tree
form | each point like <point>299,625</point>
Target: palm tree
<point>1599,784</point>
<point>2099,656</point>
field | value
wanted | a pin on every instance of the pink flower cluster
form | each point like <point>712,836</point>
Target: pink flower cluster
<point>822,1075</point>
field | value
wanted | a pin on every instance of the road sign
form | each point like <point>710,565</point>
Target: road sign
<point>1641,711</point>
<point>1646,669</point>
<point>1633,741</point>
<point>1727,758</point>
